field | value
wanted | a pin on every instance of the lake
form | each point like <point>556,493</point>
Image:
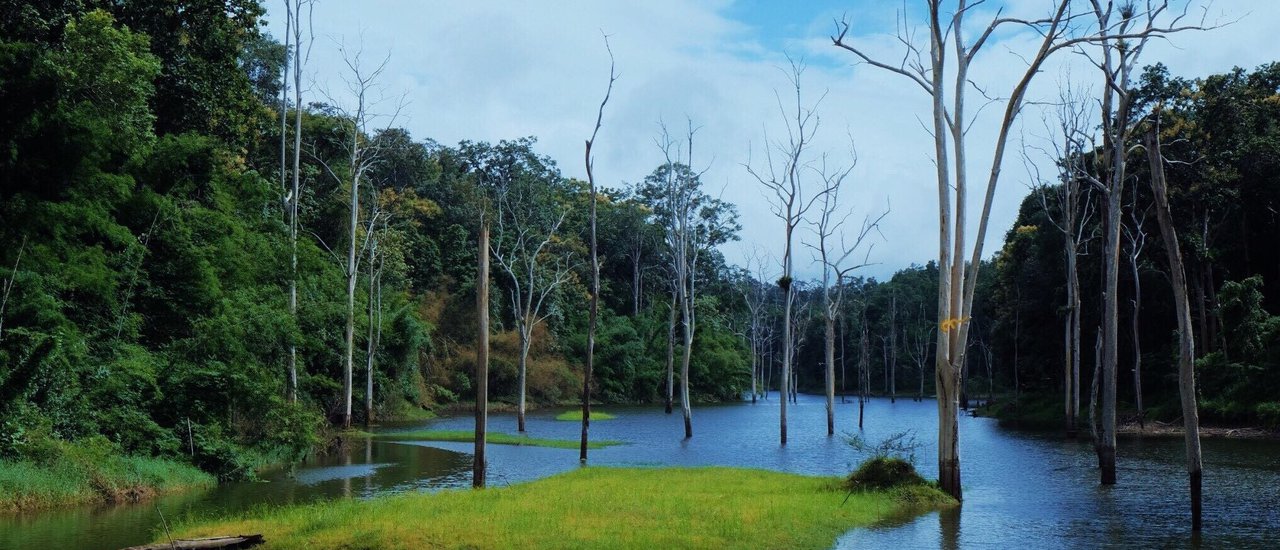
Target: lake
<point>1021,488</point>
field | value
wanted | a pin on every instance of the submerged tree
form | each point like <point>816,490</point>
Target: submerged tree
<point>928,69</point>
<point>835,258</point>
<point>1186,336</point>
<point>595,263</point>
<point>694,223</point>
<point>791,194</point>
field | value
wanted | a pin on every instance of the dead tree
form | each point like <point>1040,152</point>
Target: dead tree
<point>300,58</point>
<point>1136,237</point>
<point>756,296</point>
<point>482,353</point>
<point>363,153</point>
<point>595,263</point>
<point>835,264</point>
<point>1071,217</point>
<point>948,49</point>
<point>791,195</point>
<point>1121,34</point>
<point>1186,338</point>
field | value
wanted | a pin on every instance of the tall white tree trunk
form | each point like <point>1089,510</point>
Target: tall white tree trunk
<point>1186,338</point>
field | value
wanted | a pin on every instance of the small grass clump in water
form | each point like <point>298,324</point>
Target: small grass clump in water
<point>590,507</point>
<point>576,415</point>
<point>897,477</point>
<point>883,472</point>
<point>492,437</point>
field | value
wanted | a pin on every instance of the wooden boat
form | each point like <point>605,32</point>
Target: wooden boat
<point>227,542</point>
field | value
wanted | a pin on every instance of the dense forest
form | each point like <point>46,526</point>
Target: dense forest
<point>147,251</point>
<point>161,193</point>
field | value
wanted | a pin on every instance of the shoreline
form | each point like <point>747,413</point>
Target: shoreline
<point>665,507</point>
<point>31,487</point>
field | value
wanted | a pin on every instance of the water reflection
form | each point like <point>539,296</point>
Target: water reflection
<point>1022,489</point>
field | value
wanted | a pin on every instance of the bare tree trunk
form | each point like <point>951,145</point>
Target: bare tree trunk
<point>864,377</point>
<point>1093,390</point>
<point>370,345</point>
<point>1186,340</point>
<point>755,363</point>
<point>893,350</point>
<point>482,356</point>
<point>1110,350</point>
<point>831,374</point>
<point>595,267</point>
<point>351,303</point>
<point>843,351</point>
<point>523,373</point>
<point>787,343</point>
<point>685,407</point>
<point>1137,344</point>
<point>671,352</point>
<point>295,195</point>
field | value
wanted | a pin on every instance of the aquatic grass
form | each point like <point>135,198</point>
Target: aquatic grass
<point>575,415</point>
<point>28,485</point>
<point>496,438</point>
<point>593,507</point>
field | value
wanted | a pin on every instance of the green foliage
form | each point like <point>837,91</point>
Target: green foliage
<point>883,472</point>
<point>900,446</point>
<point>1268,413</point>
<point>90,471</point>
<point>575,415</point>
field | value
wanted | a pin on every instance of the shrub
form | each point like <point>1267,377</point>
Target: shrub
<point>1269,413</point>
<point>883,472</point>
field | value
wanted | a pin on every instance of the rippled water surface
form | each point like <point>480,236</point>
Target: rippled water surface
<point>1022,489</point>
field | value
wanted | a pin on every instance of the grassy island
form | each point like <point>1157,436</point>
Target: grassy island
<point>494,438</point>
<point>592,507</point>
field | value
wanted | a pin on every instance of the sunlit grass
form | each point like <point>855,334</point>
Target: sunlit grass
<point>29,486</point>
<point>587,508</point>
<point>576,415</point>
<point>495,438</point>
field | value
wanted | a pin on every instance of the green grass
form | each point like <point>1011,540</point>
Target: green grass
<point>404,410</point>
<point>575,415</point>
<point>588,508</point>
<point>494,438</point>
<point>28,485</point>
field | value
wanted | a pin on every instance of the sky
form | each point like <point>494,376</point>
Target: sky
<point>485,70</point>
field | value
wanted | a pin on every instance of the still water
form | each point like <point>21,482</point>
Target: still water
<point>1022,489</point>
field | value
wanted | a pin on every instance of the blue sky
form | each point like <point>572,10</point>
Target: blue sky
<point>491,70</point>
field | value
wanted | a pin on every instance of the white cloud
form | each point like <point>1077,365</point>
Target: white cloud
<point>489,70</point>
